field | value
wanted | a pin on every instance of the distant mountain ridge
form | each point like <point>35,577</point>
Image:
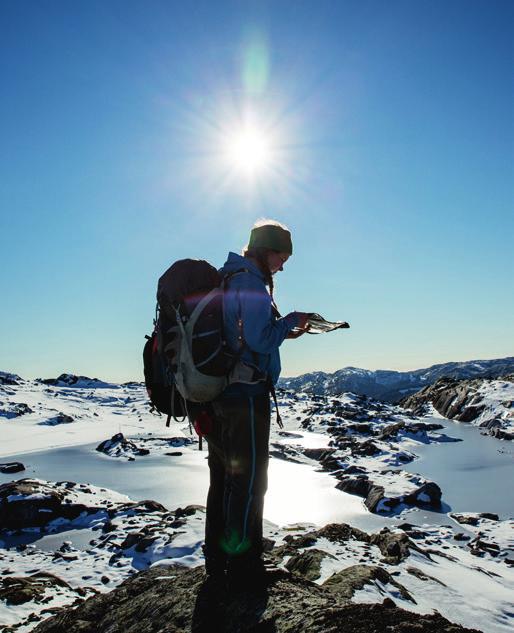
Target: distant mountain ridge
<point>391,385</point>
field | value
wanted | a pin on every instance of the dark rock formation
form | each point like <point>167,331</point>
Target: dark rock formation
<point>119,446</point>
<point>459,400</point>
<point>60,418</point>
<point>346,582</point>
<point>501,435</point>
<point>32,503</point>
<point>9,379</point>
<point>428,494</point>
<point>11,410</point>
<point>470,518</point>
<point>18,590</point>
<point>319,454</point>
<point>71,380</point>
<point>307,564</point>
<point>395,546</point>
<point>414,571</point>
<point>465,519</point>
<point>174,599</point>
<point>11,468</point>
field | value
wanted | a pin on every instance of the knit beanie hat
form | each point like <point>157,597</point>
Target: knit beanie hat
<point>271,236</point>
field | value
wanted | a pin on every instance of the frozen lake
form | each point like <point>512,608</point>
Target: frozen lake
<point>475,475</point>
<point>296,492</point>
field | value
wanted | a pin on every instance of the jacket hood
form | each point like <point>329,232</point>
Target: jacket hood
<point>236,262</point>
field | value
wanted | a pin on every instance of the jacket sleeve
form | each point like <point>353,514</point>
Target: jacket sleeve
<point>262,333</point>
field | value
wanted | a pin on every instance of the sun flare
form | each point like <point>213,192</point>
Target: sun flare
<point>249,151</point>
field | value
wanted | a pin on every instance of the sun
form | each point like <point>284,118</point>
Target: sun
<point>249,150</point>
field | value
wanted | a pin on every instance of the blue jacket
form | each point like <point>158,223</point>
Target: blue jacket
<point>247,298</point>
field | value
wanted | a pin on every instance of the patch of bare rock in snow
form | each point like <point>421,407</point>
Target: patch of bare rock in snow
<point>120,447</point>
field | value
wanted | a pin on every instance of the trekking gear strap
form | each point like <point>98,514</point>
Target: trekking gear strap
<point>274,395</point>
<point>172,403</point>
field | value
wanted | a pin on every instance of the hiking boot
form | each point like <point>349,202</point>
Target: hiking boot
<point>215,566</point>
<point>246,575</point>
<point>215,562</point>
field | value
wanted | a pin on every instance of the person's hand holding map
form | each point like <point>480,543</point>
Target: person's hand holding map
<point>313,323</point>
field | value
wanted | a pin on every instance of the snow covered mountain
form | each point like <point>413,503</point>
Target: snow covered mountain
<point>391,386</point>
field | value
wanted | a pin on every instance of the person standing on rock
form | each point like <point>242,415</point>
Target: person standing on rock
<point>238,439</point>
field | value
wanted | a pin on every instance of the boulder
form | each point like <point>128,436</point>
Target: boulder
<point>470,413</point>
<point>16,590</point>
<point>318,453</point>
<point>346,582</point>
<point>391,431</point>
<point>465,519</point>
<point>501,435</point>
<point>429,494</point>
<point>10,468</point>
<point>375,499</point>
<point>359,485</point>
<point>33,503</point>
<point>60,418</point>
<point>375,496</point>
<point>395,546</point>
<point>11,410</point>
<point>308,564</point>
<point>119,446</point>
<point>9,379</point>
<point>414,571</point>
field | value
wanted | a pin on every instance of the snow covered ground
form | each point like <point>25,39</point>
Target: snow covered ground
<point>87,538</point>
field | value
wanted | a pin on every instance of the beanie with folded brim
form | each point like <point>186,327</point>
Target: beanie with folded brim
<point>271,236</point>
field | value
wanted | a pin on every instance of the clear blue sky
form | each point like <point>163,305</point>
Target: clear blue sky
<point>393,133</point>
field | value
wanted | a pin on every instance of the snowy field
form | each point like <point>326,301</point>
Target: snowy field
<point>62,542</point>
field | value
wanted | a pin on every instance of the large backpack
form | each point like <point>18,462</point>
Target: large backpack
<point>186,360</point>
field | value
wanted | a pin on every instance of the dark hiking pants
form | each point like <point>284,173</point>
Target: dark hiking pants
<point>238,464</point>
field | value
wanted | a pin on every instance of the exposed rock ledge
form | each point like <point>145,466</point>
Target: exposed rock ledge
<point>174,599</point>
<point>487,403</point>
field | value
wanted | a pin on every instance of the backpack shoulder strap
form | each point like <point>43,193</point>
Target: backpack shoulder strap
<point>228,276</point>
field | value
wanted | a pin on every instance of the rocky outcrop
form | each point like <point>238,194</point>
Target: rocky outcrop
<point>17,590</point>
<point>479,401</point>
<point>60,418</point>
<point>308,564</point>
<point>9,379</point>
<point>11,410</point>
<point>71,380</point>
<point>119,446</point>
<point>470,518</point>
<point>10,468</point>
<point>177,599</point>
<point>394,546</point>
<point>32,503</point>
<point>346,582</point>
<point>376,500</point>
